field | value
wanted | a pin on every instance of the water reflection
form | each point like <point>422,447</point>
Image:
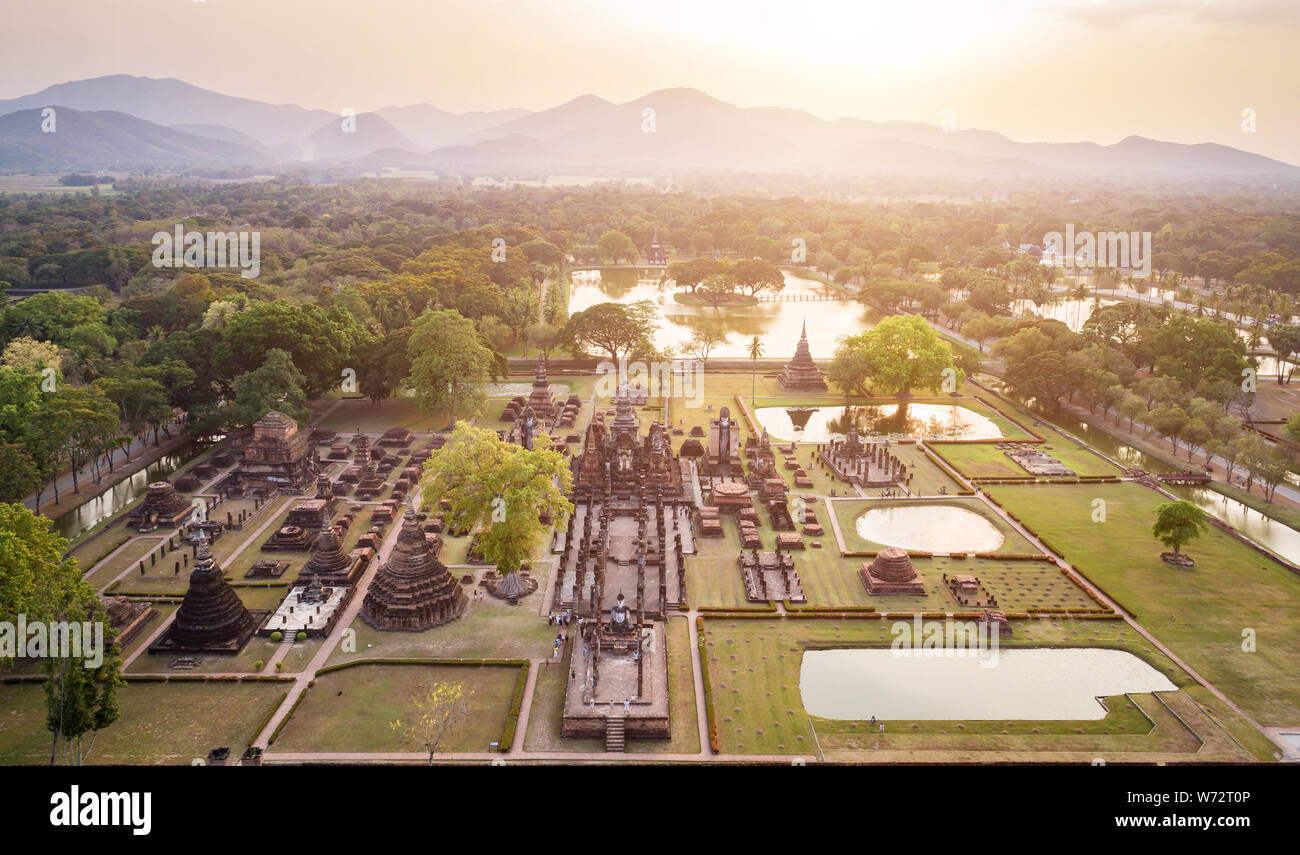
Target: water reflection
<point>930,528</point>
<point>1277,536</point>
<point>113,500</point>
<point>1039,684</point>
<point>776,324</point>
<point>877,421</point>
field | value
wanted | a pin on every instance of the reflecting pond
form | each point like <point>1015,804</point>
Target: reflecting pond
<point>1277,536</point>
<point>877,421</point>
<point>930,528</point>
<point>776,324</point>
<point>1036,684</point>
<point>112,500</point>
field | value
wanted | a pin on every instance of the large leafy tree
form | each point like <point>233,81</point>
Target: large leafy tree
<point>1177,523</point>
<point>37,581</point>
<point>616,246</point>
<point>383,364</point>
<point>450,363</point>
<point>321,341</point>
<point>503,487</point>
<point>615,328</point>
<point>899,354</point>
<point>756,274</point>
<point>275,385</point>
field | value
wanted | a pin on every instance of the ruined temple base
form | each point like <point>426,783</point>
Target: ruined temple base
<point>883,587</point>
<point>165,645</point>
<point>586,711</point>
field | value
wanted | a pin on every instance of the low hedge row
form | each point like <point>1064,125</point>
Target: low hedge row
<point>708,687</point>
<point>275,734</point>
<point>512,718</point>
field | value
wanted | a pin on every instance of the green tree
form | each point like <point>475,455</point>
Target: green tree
<point>37,581</point>
<point>615,328</point>
<point>450,364</point>
<point>617,247</point>
<point>502,487</point>
<point>276,385</point>
<point>1177,523</point>
<point>755,350</point>
<point>901,353</point>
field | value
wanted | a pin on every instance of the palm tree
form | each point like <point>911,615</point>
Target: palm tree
<point>755,351</point>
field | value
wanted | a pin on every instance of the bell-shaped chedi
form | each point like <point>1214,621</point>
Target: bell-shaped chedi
<point>162,506</point>
<point>542,397</point>
<point>413,590</point>
<point>891,573</point>
<point>329,564</point>
<point>212,618</point>
<point>801,372</point>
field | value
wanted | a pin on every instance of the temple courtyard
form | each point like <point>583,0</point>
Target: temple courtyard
<point>287,598</point>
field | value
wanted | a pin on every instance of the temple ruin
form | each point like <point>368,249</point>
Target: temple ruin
<point>622,567</point>
<point>801,372</point>
<point>211,618</point>
<point>162,506</point>
<point>413,591</point>
<point>891,573</point>
<point>277,457</point>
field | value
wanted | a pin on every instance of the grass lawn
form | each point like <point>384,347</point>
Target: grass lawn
<point>102,574</point>
<point>90,552</point>
<point>1203,613</point>
<point>754,678</point>
<point>847,512</point>
<point>986,460</point>
<point>161,723</point>
<point>548,705</point>
<point>258,649</point>
<point>353,709</point>
<point>491,629</point>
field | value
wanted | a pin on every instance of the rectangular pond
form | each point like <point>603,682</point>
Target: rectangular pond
<point>1038,684</point>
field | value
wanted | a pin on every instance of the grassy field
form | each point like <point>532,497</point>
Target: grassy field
<point>161,723</point>
<point>491,629</point>
<point>829,579</point>
<point>106,571</point>
<point>986,460</point>
<point>548,705</point>
<point>354,709</point>
<point>1205,614</point>
<point>754,679</point>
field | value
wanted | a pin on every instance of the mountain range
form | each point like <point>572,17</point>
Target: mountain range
<point>139,123</point>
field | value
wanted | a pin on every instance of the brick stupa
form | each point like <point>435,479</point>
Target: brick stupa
<point>801,372</point>
<point>278,457</point>
<point>542,397</point>
<point>212,618</point>
<point>162,506</point>
<point>891,573</point>
<point>329,564</point>
<point>413,591</point>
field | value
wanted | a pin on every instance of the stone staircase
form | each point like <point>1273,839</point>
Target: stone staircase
<point>615,733</point>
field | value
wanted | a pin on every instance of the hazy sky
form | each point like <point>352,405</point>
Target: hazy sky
<point>1055,70</point>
